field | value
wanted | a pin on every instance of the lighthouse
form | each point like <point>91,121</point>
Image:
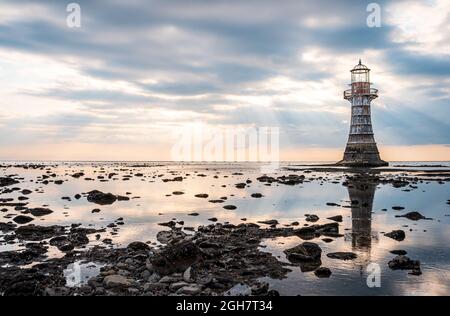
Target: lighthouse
<point>361,149</point>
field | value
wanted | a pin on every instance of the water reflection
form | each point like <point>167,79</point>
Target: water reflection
<point>361,191</point>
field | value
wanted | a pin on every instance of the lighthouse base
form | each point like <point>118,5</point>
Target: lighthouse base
<point>362,155</point>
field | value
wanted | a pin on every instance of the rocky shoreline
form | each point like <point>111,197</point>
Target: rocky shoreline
<point>211,259</point>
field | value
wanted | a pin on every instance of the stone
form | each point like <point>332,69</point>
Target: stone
<point>414,216</point>
<point>202,195</point>
<point>342,255</point>
<point>39,211</point>
<point>269,222</point>
<point>176,258</point>
<point>117,281</point>
<point>398,235</point>
<point>306,251</point>
<point>230,207</point>
<point>187,275</point>
<point>337,218</point>
<point>311,218</point>
<point>256,195</point>
<point>405,263</point>
<point>189,290</point>
<point>22,219</point>
<point>101,198</point>
<point>322,272</point>
<point>166,237</point>
<point>37,233</point>
<point>138,246</point>
<point>5,182</point>
<point>398,252</point>
<point>177,285</point>
<point>261,288</point>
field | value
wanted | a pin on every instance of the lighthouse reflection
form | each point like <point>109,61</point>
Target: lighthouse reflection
<point>361,191</point>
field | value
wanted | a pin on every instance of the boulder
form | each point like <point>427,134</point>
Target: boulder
<point>22,219</point>
<point>40,211</point>
<point>117,281</point>
<point>101,198</point>
<point>322,272</point>
<point>398,235</point>
<point>342,255</point>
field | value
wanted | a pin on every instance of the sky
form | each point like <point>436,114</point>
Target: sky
<point>136,74</point>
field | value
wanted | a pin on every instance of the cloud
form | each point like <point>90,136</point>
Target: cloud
<point>147,67</point>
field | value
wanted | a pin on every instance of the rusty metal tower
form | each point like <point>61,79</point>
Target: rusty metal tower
<point>361,147</point>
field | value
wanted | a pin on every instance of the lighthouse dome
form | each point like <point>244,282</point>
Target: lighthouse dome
<point>360,67</point>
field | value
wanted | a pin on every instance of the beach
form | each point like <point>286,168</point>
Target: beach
<point>166,228</point>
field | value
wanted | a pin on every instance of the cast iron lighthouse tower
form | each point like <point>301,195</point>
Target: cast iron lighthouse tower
<point>361,147</point>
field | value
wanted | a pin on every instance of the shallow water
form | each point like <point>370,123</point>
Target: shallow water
<point>152,202</point>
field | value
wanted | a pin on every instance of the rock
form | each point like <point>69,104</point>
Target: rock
<point>170,236</point>
<point>62,243</point>
<point>213,219</point>
<point>5,182</point>
<point>230,207</point>
<point>177,285</point>
<point>202,195</point>
<point>194,214</point>
<point>398,235</point>
<point>398,208</point>
<point>138,246</point>
<point>187,275</point>
<point>306,251</point>
<point>261,288</point>
<point>37,233</point>
<point>310,232</point>
<point>332,204</point>
<point>398,252</point>
<point>256,195</point>
<point>101,198</point>
<point>96,210</point>
<point>312,218</point>
<point>414,216</point>
<point>240,185</point>
<point>7,227</point>
<point>117,281</point>
<point>170,224</point>
<point>40,211</point>
<point>269,222</point>
<point>405,263</point>
<point>322,272</point>
<point>342,255</point>
<point>337,218</point>
<point>189,290</point>
<point>22,219</point>
<point>177,193</point>
<point>176,258</point>
<point>78,238</point>
<point>26,192</point>
<point>216,201</point>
